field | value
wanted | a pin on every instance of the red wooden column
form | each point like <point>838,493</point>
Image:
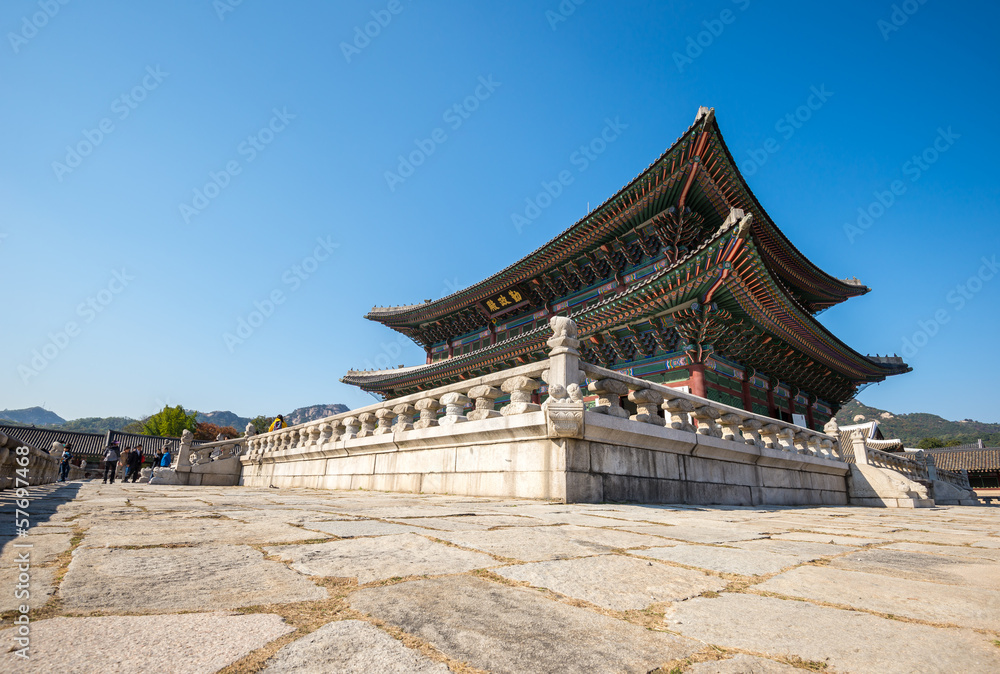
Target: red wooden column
<point>772,411</point>
<point>451,349</point>
<point>698,379</point>
<point>747,397</point>
<point>427,349</point>
<point>792,392</point>
<point>811,399</point>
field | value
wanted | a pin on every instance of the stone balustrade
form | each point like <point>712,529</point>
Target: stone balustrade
<point>33,466</point>
<point>468,401</point>
<point>690,413</point>
<point>216,451</point>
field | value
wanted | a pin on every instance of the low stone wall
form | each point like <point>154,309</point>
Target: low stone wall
<point>616,460</point>
<point>36,465</point>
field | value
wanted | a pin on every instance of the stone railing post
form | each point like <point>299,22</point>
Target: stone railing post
<point>609,393</point>
<point>404,416</point>
<point>428,408</point>
<point>564,408</point>
<point>932,473</point>
<point>454,408</point>
<point>315,432</point>
<point>367,420</point>
<point>183,463</point>
<point>520,389</point>
<point>731,428</point>
<point>484,396</point>
<point>679,410</point>
<point>385,417</point>
<point>647,406</point>
<point>705,417</point>
<point>859,447</point>
<point>801,442</point>
<point>351,428</point>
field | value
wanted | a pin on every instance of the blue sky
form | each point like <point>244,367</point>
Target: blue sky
<point>165,168</point>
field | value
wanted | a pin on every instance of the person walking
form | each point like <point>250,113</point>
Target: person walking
<point>134,463</point>
<point>67,456</point>
<point>167,457</point>
<point>277,424</point>
<point>157,458</point>
<point>111,457</point>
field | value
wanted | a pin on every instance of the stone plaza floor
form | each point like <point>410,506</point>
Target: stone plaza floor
<point>139,578</point>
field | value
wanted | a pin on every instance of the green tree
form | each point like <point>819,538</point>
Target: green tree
<point>261,423</point>
<point>170,422</point>
<point>930,443</point>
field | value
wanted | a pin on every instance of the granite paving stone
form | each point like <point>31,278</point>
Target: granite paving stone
<point>933,602</point>
<point>698,534</point>
<point>474,522</point>
<point>203,577</point>
<point>946,569</point>
<point>350,647</point>
<point>355,528</point>
<point>534,544</point>
<point>834,539</point>
<point>516,630</point>
<point>192,643</point>
<point>613,581</point>
<point>845,641</point>
<point>171,530</point>
<point>381,557</point>
<point>967,552</point>
<point>806,550</point>
<point>726,559</point>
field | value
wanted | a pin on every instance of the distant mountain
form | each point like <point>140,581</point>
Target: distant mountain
<point>314,412</point>
<point>224,419</point>
<point>912,428</point>
<point>96,424</point>
<point>33,416</point>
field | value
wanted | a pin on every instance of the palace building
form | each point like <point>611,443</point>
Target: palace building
<point>680,278</point>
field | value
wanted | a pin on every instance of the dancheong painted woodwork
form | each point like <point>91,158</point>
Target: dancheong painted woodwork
<point>680,278</point>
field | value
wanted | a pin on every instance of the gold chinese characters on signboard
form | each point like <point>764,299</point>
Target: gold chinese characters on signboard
<point>508,299</point>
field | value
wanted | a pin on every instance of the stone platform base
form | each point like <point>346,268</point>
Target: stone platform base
<point>615,460</point>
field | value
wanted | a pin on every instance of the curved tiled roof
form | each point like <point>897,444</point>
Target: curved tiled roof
<point>986,459</point>
<point>85,444</point>
<point>787,261</point>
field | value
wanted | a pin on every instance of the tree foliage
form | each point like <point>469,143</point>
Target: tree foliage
<point>208,432</point>
<point>261,423</point>
<point>170,422</point>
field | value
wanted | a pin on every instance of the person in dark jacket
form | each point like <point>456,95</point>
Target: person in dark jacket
<point>134,464</point>
<point>111,455</point>
<point>67,456</point>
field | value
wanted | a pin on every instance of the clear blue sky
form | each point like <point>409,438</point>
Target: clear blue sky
<point>309,129</point>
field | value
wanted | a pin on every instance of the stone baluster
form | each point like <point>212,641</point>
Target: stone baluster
<point>520,389</point>
<point>367,420</point>
<point>816,447</point>
<point>609,393</point>
<point>428,408</point>
<point>647,406</point>
<point>351,428</point>
<point>705,417</point>
<point>454,412</point>
<point>786,439</point>
<point>680,410</point>
<point>801,442</point>
<point>751,431</point>
<point>404,416</point>
<point>830,449</point>
<point>485,397</point>
<point>315,432</point>
<point>295,438</point>
<point>769,433</point>
<point>731,428</point>
<point>385,417</point>
<point>328,431</point>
